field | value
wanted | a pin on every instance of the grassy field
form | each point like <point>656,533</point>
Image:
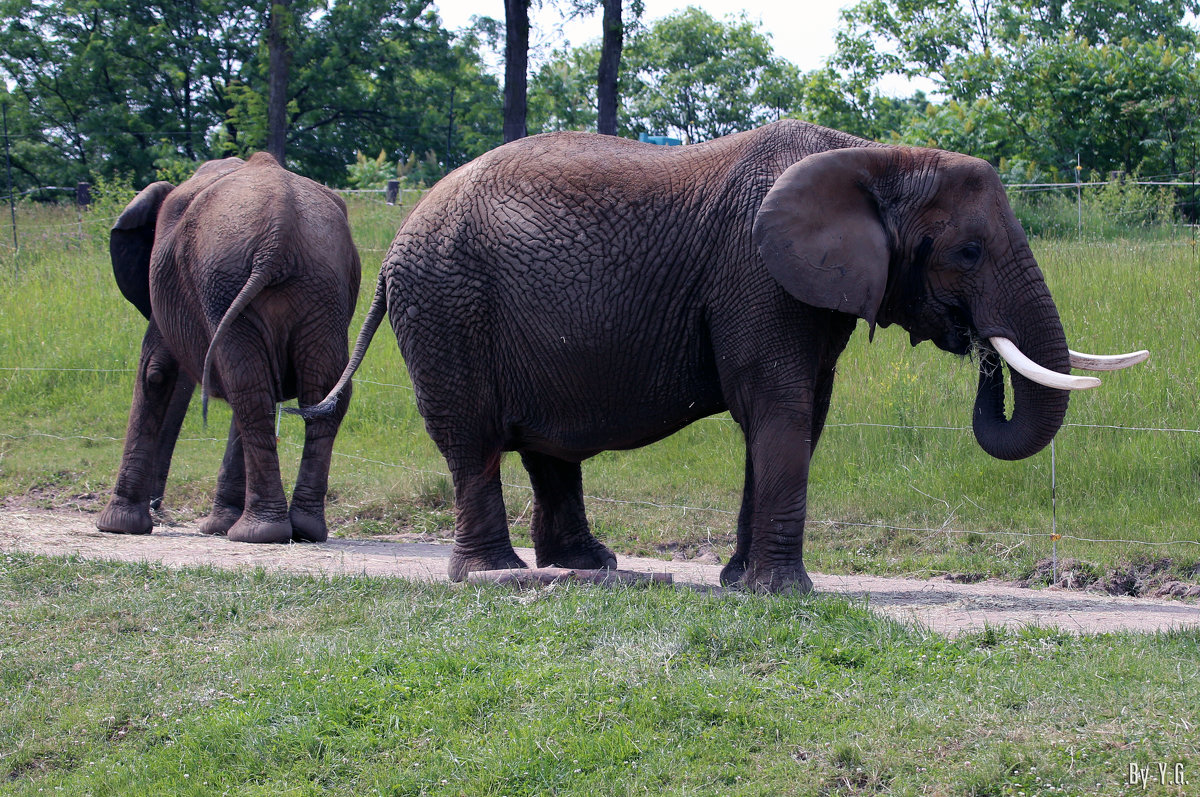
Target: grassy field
<point>137,680</point>
<point>898,484</point>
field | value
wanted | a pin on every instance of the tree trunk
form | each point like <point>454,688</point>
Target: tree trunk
<point>610,64</point>
<point>516,66</point>
<point>279,63</point>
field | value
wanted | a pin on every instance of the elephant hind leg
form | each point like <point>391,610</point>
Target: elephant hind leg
<point>243,367</point>
<point>559,528</point>
<point>307,511</point>
<point>481,540</point>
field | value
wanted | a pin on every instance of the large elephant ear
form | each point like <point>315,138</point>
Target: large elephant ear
<point>130,242</point>
<point>820,233</point>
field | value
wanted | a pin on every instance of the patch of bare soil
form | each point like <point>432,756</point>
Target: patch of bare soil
<point>940,605</point>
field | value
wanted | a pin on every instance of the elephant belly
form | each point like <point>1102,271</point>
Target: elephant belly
<point>577,408</point>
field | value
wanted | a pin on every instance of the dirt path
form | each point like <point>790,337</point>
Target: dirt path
<point>938,605</point>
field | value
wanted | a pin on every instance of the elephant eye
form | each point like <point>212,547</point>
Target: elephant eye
<point>970,253</point>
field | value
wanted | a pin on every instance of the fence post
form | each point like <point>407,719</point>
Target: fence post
<point>1054,535</point>
<point>83,194</point>
<point>389,193</point>
<point>1079,195</point>
<point>12,203</point>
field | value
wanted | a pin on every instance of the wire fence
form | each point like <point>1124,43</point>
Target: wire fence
<point>88,223</point>
<point>395,194</point>
<point>1052,534</point>
<point>85,222</point>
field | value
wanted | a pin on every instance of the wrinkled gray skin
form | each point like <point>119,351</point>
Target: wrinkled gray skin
<point>249,278</point>
<point>568,293</point>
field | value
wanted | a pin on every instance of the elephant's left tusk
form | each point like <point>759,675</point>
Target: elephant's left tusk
<point>1106,362</point>
<point>1036,373</point>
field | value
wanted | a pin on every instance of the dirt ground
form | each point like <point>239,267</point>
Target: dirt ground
<point>937,604</point>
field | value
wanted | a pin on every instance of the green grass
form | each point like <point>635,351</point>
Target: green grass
<point>120,679</point>
<point>917,501</point>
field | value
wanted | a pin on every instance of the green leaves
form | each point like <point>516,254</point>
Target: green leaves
<point>114,86</point>
<point>692,74</point>
<point>1044,81</point>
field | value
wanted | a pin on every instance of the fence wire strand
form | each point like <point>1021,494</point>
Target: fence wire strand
<point>826,522</point>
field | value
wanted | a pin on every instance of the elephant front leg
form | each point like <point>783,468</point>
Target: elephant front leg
<point>561,537</point>
<point>128,511</point>
<point>231,487</point>
<point>264,517</point>
<point>177,409</point>
<point>780,452</point>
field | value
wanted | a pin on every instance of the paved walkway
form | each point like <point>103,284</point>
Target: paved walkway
<point>939,605</point>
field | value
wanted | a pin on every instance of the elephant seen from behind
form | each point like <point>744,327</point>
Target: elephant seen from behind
<point>569,293</point>
<point>249,277</point>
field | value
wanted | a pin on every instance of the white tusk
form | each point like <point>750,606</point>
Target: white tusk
<point>1034,372</point>
<point>1106,362</point>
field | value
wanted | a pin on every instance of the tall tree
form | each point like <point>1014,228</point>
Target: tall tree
<point>699,77</point>
<point>280,56</point>
<point>122,86</point>
<point>516,68</point>
<point>372,75</point>
<point>609,69</point>
<point>562,93</point>
<point>1111,82</point>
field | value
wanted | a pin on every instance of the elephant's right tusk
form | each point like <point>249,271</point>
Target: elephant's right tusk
<point>1036,373</point>
<point>1106,362</point>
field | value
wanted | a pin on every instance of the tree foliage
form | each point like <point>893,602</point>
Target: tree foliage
<point>120,87</point>
<point>687,74</point>
<point>1114,83</point>
<point>117,89</point>
<point>691,74</point>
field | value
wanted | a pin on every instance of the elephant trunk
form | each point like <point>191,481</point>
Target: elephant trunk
<point>1037,410</point>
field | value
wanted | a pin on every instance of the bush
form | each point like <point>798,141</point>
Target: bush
<point>1109,209</point>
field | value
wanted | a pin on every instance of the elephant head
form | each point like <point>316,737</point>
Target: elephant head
<point>926,239</point>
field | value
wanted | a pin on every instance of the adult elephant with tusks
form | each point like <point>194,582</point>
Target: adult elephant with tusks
<point>569,293</point>
<point>248,276</point>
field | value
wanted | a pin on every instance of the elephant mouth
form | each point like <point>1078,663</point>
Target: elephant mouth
<point>959,336</point>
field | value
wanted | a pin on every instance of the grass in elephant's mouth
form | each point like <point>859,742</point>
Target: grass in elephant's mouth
<point>898,484</point>
<point>135,679</point>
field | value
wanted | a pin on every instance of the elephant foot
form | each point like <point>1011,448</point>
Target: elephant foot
<point>591,556</point>
<point>259,531</point>
<point>462,563</point>
<point>734,571</point>
<point>125,517</point>
<point>308,526</point>
<point>792,578</point>
<point>221,519</point>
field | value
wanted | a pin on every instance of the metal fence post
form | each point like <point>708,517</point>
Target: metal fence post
<point>12,203</point>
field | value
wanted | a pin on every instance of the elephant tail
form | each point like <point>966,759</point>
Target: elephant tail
<point>371,323</point>
<point>258,280</point>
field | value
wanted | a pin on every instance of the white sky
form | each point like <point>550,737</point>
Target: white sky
<point>800,30</point>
